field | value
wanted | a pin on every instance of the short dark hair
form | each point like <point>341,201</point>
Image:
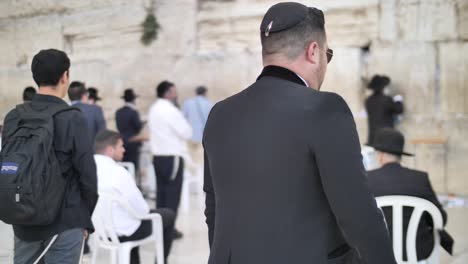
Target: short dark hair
<point>76,90</point>
<point>29,93</point>
<point>293,41</point>
<point>162,88</point>
<point>105,138</point>
<point>201,90</point>
<point>48,66</point>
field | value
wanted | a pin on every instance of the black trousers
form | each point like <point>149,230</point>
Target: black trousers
<point>169,177</point>
<point>146,228</point>
<point>132,154</point>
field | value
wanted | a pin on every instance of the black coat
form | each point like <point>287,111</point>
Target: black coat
<point>381,112</point>
<point>393,179</point>
<point>284,179</point>
<point>94,118</point>
<point>128,122</point>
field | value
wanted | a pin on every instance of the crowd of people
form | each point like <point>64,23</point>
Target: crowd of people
<point>283,175</point>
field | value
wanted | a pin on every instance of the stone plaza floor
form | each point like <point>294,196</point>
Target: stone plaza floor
<point>193,247</point>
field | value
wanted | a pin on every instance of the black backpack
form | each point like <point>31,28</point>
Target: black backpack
<point>32,186</point>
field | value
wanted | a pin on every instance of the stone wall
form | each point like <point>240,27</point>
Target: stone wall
<point>421,44</point>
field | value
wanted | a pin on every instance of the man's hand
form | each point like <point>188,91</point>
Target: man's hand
<point>86,234</point>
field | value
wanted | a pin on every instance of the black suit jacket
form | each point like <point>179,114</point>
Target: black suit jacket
<point>393,179</point>
<point>284,179</point>
<point>94,118</point>
<point>128,122</point>
<point>381,112</point>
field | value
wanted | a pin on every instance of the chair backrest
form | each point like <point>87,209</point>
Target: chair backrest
<point>420,206</point>
<point>103,219</point>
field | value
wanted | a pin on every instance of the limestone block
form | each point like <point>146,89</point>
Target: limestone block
<point>432,158</point>
<point>352,27</point>
<point>12,83</point>
<point>457,133</point>
<point>7,44</point>
<point>30,8</point>
<point>462,7</point>
<point>412,68</point>
<point>40,32</point>
<point>388,20</point>
<point>454,77</point>
<point>428,20</point>
<point>343,77</point>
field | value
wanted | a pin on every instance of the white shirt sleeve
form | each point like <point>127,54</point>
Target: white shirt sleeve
<point>128,189</point>
<point>179,124</point>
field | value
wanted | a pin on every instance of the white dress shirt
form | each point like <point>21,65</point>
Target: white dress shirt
<point>169,130</point>
<point>113,178</point>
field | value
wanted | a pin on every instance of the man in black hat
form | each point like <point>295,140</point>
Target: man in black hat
<point>93,96</point>
<point>28,94</point>
<point>394,179</point>
<point>284,178</point>
<point>129,125</point>
<point>381,109</point>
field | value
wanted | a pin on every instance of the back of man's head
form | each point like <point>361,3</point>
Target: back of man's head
<point>104,139</point>
<point>76,91</point>
<point>48,66</point>
<point>163,88</point>
<point>28,93</point>
<point>201,90</point>
<point>293,40</point>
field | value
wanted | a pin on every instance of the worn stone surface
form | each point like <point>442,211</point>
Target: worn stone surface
<point>412,69</point>
<point>462,21</point>
<point>453,59</point>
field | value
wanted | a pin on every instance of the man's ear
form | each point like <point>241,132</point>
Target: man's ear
<point>64,77</point>
<point>313,53</point>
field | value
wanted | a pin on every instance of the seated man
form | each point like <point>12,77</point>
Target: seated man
<point>394,179</point>
<point>116,179</point>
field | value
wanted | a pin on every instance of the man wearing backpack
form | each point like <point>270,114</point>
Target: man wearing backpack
<point>48,187</point>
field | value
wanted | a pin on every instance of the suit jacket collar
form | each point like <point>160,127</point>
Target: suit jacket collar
<point>281,73</point>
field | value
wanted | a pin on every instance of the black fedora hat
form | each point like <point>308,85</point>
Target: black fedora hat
<point>129,95</point>
<point>390,141</point>
<point>93,93</point>
<point>378,82</point>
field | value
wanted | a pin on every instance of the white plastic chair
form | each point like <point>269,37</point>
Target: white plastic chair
<point>106,237</point>
<point>6,243</point>
<point>420,206</point>
<point>130,167</point>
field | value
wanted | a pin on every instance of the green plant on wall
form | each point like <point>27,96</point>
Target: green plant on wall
<point>150,28</point>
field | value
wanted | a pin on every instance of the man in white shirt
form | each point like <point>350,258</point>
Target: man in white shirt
<point>196,110</point>
<point>116,179</point>
<point>169,133</point>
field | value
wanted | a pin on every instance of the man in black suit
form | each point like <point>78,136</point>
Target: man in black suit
<point>129,125</point>
<point>94,116</point>
<point>381,109</point>
<point>284,178</point>
<point>394,179</point>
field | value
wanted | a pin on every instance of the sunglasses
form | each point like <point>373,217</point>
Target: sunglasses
<point>329,55</point>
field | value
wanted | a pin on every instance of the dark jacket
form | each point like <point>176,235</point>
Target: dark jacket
<point>284,179</point>
<point>393,179</point>
<point>74,152</point>
<point>94,118</point>
<point>128,122</point>
<point>381,112</point>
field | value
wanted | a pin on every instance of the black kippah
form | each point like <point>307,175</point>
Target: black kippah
<point>283,16</point>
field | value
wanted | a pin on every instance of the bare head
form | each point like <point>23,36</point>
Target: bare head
<point>109,143</point>
<point>50,69</point>
<point>293,36</point>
